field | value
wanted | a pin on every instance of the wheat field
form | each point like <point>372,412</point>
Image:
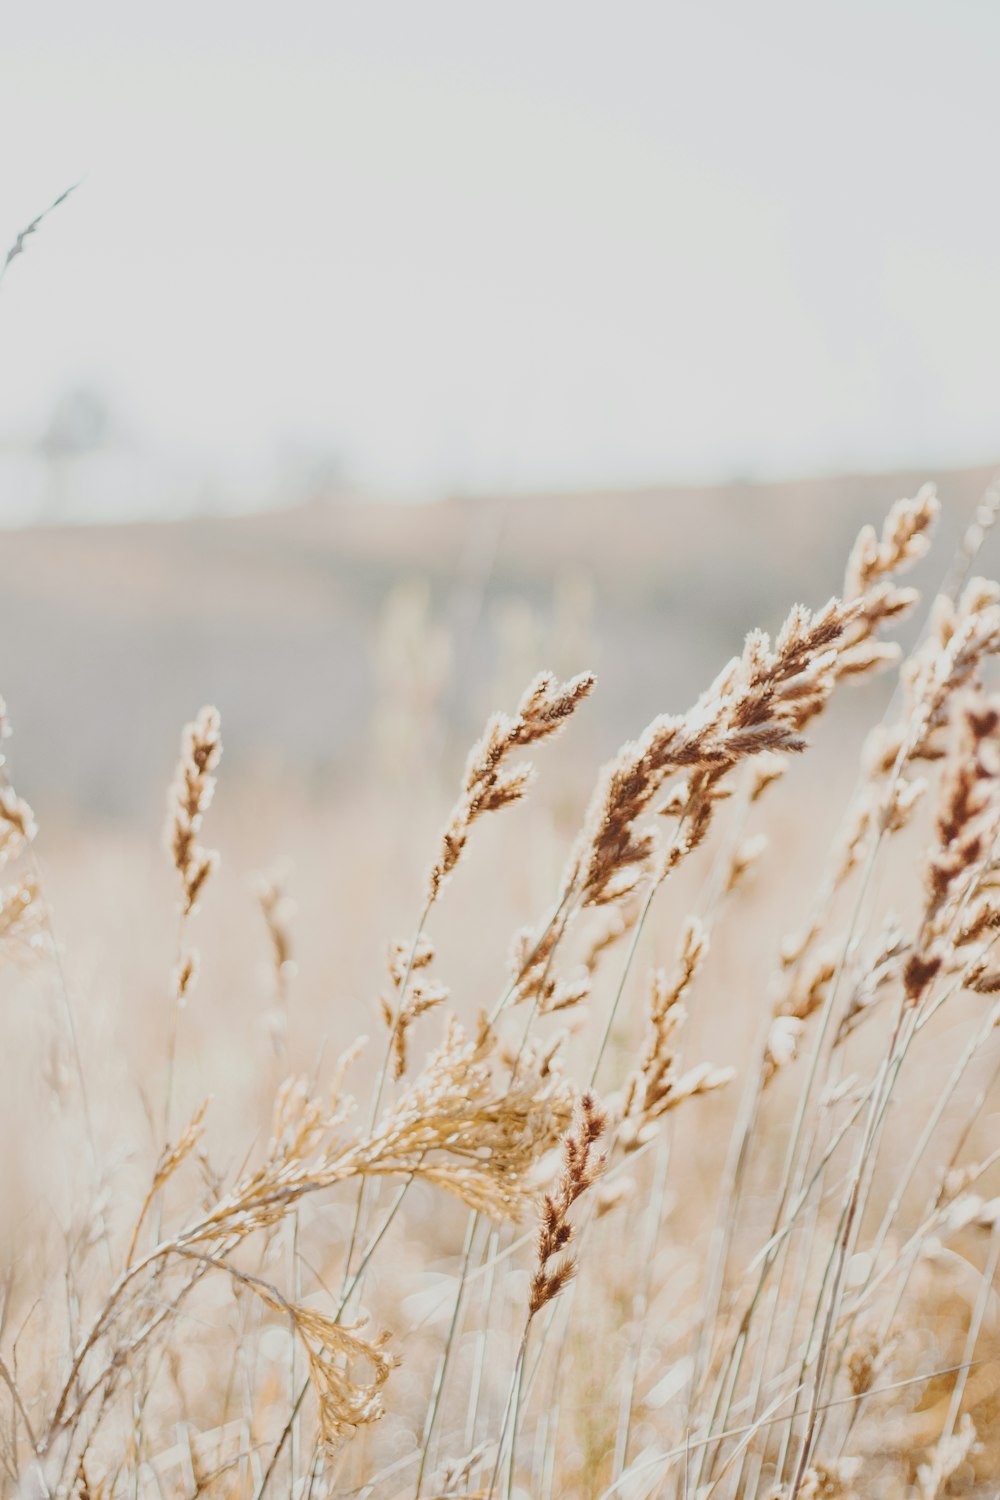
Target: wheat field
<point>682,1187</point>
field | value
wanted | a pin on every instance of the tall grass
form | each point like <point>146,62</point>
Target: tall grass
<point>551,1249</point>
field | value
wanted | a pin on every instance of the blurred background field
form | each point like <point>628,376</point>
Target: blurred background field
<point>340,637</point>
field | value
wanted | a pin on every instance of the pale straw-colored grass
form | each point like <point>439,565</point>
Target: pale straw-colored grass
<point>531,1240</point>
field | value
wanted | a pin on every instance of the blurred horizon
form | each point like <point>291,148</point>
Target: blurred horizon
<point>114,489</point>
<point>346,640</point>
<point>413,253</point>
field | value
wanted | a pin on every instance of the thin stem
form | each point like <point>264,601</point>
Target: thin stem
<point>842,1249</point>
<point>442,1368</point>
<point>380,1082</point>
<point>623,979</point>
<point>515,1420</point>
<point>15,1394</point>
<point>640,1301</point>
<point>508,1407</point>
<point>792,1158</point>
<point>67,1004</point>
<point>472,1410</point>
<point>975,1326</point>
<point>505,999</point>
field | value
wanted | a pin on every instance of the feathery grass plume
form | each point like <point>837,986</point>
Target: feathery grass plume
<point>20,911</point>
<point>331,1349</point>
<point>963,635</point>
<point>804,995</point>
<point>905,540</point>
<point>945,1459</point>
<point>304,1156</point>
<point>532,956</point>
<point>188,800</point>
<point>865,1358</point>
<point>456,1475</point>
<point>767,770</point>
<point>172,1157</point>
<point>833,1480</point>
<point>453,1126</point>
<point>982,980</point>
<point>967,827</point>
<point>534,978</point>
<point>966,821</point>
<point>982,912</point>
<point>756,707</point>
<point>277,909</point>
<point>743,860</point>
<point>759,702</point>
<point>20,902</point>
<point>564,993</point>
<point>869,579</point>
<point>582,1165</point>
<point>869,583</point>
<point>490,783</point>
<point>458,1127</point>
<point>878,975</point>
<point>17,821</point>
<point>17,824</point>
<point>420,995</point>
<point>658,1086</point>
<point>612,925</point>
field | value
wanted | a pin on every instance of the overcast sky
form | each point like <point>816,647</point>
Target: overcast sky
<point>539,243</point>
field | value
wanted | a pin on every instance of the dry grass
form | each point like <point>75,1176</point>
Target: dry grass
<point>532,1238</point>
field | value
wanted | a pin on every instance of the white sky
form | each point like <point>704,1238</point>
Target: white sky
<point>543,242</point>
